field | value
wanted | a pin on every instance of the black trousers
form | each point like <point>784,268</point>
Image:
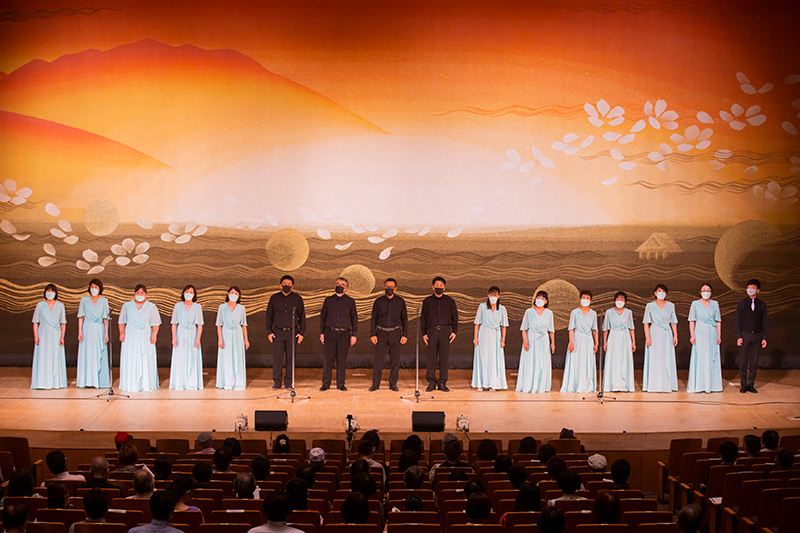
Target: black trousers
<point>438,354</point>
<point>282,356</point>
<point>336,345</point>
<point>387,340</point>
<point>748,357</point>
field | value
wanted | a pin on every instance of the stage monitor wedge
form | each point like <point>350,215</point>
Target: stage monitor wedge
<point>427,421</point>
<point>271,420</point>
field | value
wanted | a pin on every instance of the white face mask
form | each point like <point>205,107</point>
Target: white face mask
<point>493,299</point>
<point>661,295</point>
<point>188,296</point>
<point>539,302</point>
<point>49,295</point>
<point>139,297</point>
<point>585,302</point>
<point>94,291</point>
<point>705,295</point>
<point>232,297</point>
<point>620,304</point>
<point>751,292</point>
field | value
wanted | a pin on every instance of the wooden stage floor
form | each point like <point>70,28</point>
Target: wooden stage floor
<point>634,421</point>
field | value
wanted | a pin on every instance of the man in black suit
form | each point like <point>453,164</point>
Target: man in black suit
<point>439,324</point>
<point>751,334</point>
<point>338,322</point>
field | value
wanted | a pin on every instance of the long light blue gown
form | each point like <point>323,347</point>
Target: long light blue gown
<point>489,359</point>
<point>705,367</point>
<point>138,364</point>
<point>231,371</point>
<point>660,373</point>
<point>535,368</point>
<point>49,359</point>
<point>618,369</point>
<point>580,368</point>
<point>92,350</point>
<point>186,369</point>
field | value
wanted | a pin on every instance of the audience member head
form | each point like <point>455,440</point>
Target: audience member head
<point>752,446</point>
<point>770,439</point>
<point>452,451</point>
<point>502,464</point>
<point>597,462</point>
<point>448,437</point>
<point>204,440</point>
<point>412,503</point>
<point>372,436</point>
<point>546,452</point>
<point>316,458</point>
<point>363,483</point>
<point>413,443</point>
<point>569,482</point>
<point>56,462</point>
<point>182,487</point>
<point>142,482</point>
<point>457,474</point>
<point>259,466</point>
<point>555,467</point>
<point>99,467</point>
<point>162,503</point>
<point>365,448</point>
<point>620,472</point>
<point>297,489</point>
<point>517,476</point>
<point>162,467</point>
<point>202,472</point>
<point>728,451</point>
<point>413,477</point>
<point>278,506</point>
<point>479,507</point>
<point>487,450</point>
<point>222,459</point>
<point>244,485</point>
<point>784,459</point>
<point>355,509</point>
<point>308,474</point>
<point>606,508</point>
<point>95,503</point>
<point>471,487</point>
<point>20,483</point>
<point>57,495</point>
<point>528,445</point>
<point>359,465</point>
<point>567,433</point>
<point>529,498</point>
<point>551,521</point>
<point>282,444</point>
<point>234,445</point>
<point>128,455</point>
<point>15,518</point>
<point>408,459</point>
<point>690,519</point>
<point>121,439</point>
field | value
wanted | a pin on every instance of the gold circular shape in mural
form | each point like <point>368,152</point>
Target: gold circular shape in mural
<point>736,243</point>
<point>101,218</point>
<point>287,249</point>
<point>361,280</point>
<point>563,299</point>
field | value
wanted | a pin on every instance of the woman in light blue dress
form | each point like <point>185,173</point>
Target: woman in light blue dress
<point>186,370</point>
<point>49,326</point>
<point>619,343</point>
<point>138,329</point>
<point>661,337</point>
<point>580,368</point>
<point>93,320</point>
<point>489,360</point>
<point>705,328</point>
<point>538,344</point>
<point>232,342</point>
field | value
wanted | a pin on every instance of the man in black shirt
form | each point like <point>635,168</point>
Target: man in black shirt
<point>439,323</point>
<point>285,312</point>
<point>338,324</point>
<point>751,334</point>
<point>388,329</point>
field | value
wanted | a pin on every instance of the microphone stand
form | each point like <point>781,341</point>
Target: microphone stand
<point>416,396</point>
<point>599,395</point>
<point>109,394</point>
<point>292,394</point>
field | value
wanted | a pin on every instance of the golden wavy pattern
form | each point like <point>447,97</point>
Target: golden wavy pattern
<point>19,15</point>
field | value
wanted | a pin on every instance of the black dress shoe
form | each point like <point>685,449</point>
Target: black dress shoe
<point>324,388</point>
<point>373,388</point>
<point>276,386</point>
<point>752,389</point>
<point>743,390</point>
<point>431,387</point>
<point>443,387</point>
<point>394,388</point>
<point>343,388</point>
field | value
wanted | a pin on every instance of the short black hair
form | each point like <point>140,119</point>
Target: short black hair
<point>259,466</point>
<point>97,282</point>
<point>222,459</point>
<point>690,518</point>
<point>784,459</point>
<point>569,481</point>
<point>527,445</point>
<point>194,292</point>
<point>372,436</point>
<point>412,503</point>
<point>143,481</point>
<point>606,509</point>
<point>297,489</point>
<point>181,485</point>
<point>755,282</point>
<point>162,503</point>
<point>234,444</point>
<point>728,451</point>
<point>234,288</point>
<point>546,452</point>
<point>128,455</point>
<point>202,472</point>
<point>528,498</point>
<point>487,450</point>
<point>551,520</point>
<point>244,485</point>
<point>707,284</point>
<point>14,516</point>
<point>277,506</point>
<point>286,277</point>
<point>50,287</point>
<point>95,503</point>
<point>387,280</point>
<point>620,471</point>
<point>365,447</point>
<point>438,278</point>
<point>479,507</point>
<point>517,475</point>
<point>457,474</point>
<point>20,483</point>
<point>752,444</point>
<point>140,286</point>
<point>359,465</point>
<point>413,477</point>
<point>355,509</point>
<point>621,293</point>
<point>587,292</point>
<point>662,287</point>
<point>502,463</point>
<point>407,459</point>
<point>56,462</point>
<point>471,487</point>
<point>452,450</point>
<point>57,494</point>
<point>162,467</point>
<point>555,467</point>
<point>308,474</point>
<point>363,483</point>
<point>770,439</point>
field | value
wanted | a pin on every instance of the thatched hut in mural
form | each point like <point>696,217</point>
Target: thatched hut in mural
<point>657,246</point>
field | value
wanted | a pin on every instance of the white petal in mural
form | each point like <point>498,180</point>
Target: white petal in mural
<point>46,260</point>
<point>358,229</point>
<point>142,247</point>
<point>374,239</point>
<point>72,239</point>
<point>123,261</point>
<point>413,229</point>
<point>52,209</point>
<point>385,253</point>
<point>569,137</point>
<point>49,249</point>
<point>23,237</point>
<point>90,255</point>
<point>175,228</point>
<point>611,136</point>
<point>372,229</point>
<point>527,166</point>
<point>792,79</point>
<point>616,154</point>
<point>610,181</point>
<point>8,227</point>
<point>424,231</point>
<point>141,259</point>
<point>119,250</point>
<point>751,170</point>
<point>128,244</point>
<point>107,260</point>
<point>55,232</point>
<point>513,155</point>
<point>789,128</point>
<point>65,225</point>
<point>389,233</point>
<point>723,153</point>
<point>190,226</point>
<point>95,269</point>
<point>83,265</point>
<point>144,223</point>
<point>183,239</point>
<point>455,232</point>
<point>343,247</point>
<point>509,165</point>
<point>716,165</point>
<point>638,126</point>
<point>767,87</point>
<point>323,234</point>
<point>627,165</point>
<point>587,141</point>
<point>625,139</point>
<point>705,118</point>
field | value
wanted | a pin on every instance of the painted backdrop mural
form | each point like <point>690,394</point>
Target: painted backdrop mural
<point>564,145</point>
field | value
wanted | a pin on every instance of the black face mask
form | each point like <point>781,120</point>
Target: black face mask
<point>438,290</point>
<point>286,289</point>
<point>388,292</point>
<point>339,289</point>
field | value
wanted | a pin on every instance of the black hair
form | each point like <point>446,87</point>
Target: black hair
<point>586,292</point>
<point>502,463</point>
<point>244,485</point>
<point>139,286</point>
<point>355,509</point>
<point>728,451</point>
<point>439,278</point>
<point>97,282</point>
<point>546,452</point>
<point>365,447</point>
<point>308,474</point>
<point>285,277</point>
<point>620,293</point>
<point>234,288</point>
<point>127,455</point>
<point>95,503</point>
<point>412,503</point>
<point>413,477</point>
<point>181,485</point>
<point>346,282</point>
<point>527,445</point>
<point>57,494</point>
<point>546,297</point>
<point>50,287</point>
<point>690,518</point>
<point>621,471</point>
<point>14,516</point>
<point>487,450</point>
<point>297,489</point>
<point>457,474</point>
<point>259,466</point>
<point>662,287</point>
<point>606,509</point>
<point>408,459</point>
<point>471,487</point>
<point>517,475</point>
<point>363,483</point>
<point>784,459</point>
<point>555,467</point>
<point>770,439</point>
<point>569,481</point>
<point>222,459</point>
<point>413,443</point>
<point>162,503</point>
<point>706,284</point>
<point>282,444</point>
<point>56,462</point>
<point>162,467</point>
<point>277,506</point>
<point>202,472</point>
<point>372,436</point>
<point>528,498</point>
<point>752,445</point>
<point>194,292</point>
<point>551,520</point>
<point>359,465</point>
<point>234,445</point>
<point>387,280</point>
<point>478,508</point>
<point>491,290</point>
<point>755,282</point>
<point>452,449</point>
